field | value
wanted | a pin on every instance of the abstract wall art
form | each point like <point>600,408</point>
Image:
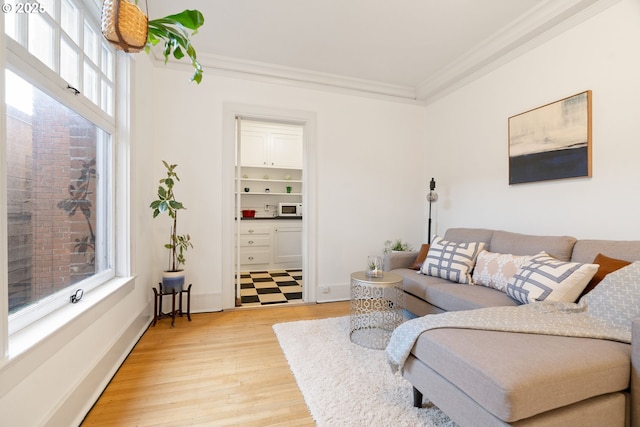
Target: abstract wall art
<point>552,141</point>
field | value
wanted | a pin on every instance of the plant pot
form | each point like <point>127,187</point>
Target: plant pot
<point>172,280</point>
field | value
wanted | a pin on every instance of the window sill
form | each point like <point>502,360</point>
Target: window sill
<point>49,334</point>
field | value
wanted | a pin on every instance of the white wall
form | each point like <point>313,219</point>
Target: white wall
<point>468,148</point>
<point>369,155</point>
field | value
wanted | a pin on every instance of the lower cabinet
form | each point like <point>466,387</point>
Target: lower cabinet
<point>270,244</point>
<point>288,245</point>
<point>255,245</point>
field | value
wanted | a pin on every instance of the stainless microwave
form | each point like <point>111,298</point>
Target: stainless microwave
<point>289,209</point>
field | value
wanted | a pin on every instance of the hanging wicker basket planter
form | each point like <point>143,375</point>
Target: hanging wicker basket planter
<point>125,25</point>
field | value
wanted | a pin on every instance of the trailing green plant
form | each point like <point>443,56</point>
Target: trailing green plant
<point>167,203</point>
<point>397,245</point>
<point>172,30</point>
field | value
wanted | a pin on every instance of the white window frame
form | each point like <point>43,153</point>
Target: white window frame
<point>25,323</point>
<point>89,12</point>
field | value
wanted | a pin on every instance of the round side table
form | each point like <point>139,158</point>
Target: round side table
<point>376,308</point>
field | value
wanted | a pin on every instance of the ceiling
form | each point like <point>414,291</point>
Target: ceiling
<point>413,49</point>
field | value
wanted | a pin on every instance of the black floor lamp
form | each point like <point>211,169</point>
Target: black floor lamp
<point>432,197</point>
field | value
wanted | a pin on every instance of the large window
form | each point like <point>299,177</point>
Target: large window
<point>65,36</point>
<point>55,195</point>
<point>59,172</point>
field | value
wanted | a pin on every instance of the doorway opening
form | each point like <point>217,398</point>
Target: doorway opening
<point>268,231</point>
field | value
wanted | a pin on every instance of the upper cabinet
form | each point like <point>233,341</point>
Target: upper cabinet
<point>271,145</point>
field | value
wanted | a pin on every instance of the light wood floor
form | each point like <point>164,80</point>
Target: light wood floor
<point>221,369</point>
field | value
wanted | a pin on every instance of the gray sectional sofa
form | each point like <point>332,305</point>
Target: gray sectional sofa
<point>492,378</point>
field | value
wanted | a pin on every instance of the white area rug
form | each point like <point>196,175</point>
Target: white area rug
<point>345,384</point>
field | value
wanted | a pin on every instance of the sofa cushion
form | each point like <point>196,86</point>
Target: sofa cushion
<point>516,376</point>
<point>466,235</point>
<point>586,250</point>
<point>606,265</point>
<point>422,255</point>
<point>544,278</point>
<point>559,247</point>
<point>448,296</point>
<point>450,260</point>
<point>494,270</point>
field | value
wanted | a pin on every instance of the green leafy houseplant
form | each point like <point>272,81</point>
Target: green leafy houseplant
<point>166,202</point>
<point>127,28</point>
<point>396,246</point>
<point>172,30</point>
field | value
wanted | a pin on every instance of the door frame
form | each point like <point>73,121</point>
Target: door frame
<point>308,121</point>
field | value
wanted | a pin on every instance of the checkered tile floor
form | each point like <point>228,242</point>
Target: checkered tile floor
<point>270,287</point>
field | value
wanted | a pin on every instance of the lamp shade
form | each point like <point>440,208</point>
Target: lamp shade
<point>432,196</point>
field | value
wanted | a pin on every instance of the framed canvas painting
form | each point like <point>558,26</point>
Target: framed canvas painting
<point>552,141</point>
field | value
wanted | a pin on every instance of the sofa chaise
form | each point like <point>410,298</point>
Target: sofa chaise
<point>497,378</point>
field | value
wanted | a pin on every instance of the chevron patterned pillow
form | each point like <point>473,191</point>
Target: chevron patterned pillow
<point>545,278</point>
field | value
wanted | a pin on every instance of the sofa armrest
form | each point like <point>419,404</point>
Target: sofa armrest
<point>635,373</point>
<point>393,260</point>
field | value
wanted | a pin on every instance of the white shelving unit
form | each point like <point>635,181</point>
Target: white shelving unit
<point>281,184</point>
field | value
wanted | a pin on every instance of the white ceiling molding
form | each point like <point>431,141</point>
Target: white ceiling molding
<point>543,23</point>
<point>277,73</point>
<point>540,24</point>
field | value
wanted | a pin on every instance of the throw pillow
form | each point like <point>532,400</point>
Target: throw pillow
<point>494,270</point>
<point>422,255</point>
<point>450,260</point>
<point>545,278</point>
<point>617,299</point>
<point>607,265</point>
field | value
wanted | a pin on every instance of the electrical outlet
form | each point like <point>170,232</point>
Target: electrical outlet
<point>266,208</point>
<point>324,289</point>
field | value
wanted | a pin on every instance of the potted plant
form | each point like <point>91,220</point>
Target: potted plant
<point>127,28</point>
<point>173,278</point>
<point>396,246</point>
<point>374,266</point>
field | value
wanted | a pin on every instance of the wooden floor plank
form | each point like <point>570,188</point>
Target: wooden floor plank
<point>221,369</point>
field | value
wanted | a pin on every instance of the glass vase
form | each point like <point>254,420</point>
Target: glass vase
<point>374,266</point>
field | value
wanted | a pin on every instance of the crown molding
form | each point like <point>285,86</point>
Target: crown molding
<point>547,20</point>
<point>275,74</point>
<point>268,71</point>
<point>541,24</point>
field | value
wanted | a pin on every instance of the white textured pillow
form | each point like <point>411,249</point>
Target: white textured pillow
<point>451,261</point>
<point>494,270</point>
<point>544,278</point>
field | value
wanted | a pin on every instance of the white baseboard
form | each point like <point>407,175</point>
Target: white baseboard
<point>78,403</point>
<point>333,293</point>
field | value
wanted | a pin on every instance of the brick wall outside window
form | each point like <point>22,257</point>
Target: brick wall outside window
<point>47,153</point>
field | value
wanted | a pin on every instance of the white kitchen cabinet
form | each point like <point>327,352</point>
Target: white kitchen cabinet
<point>287,245</point>
<point>255,245</point>
<point>286,150</point>
<point>254,148</point>
<point>271,145</point>
<point>270,244</point>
